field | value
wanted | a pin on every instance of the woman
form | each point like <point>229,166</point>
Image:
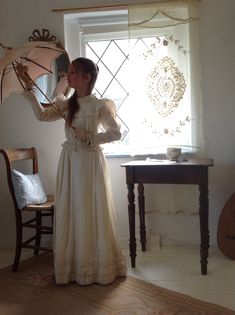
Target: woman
<point>86,243</point>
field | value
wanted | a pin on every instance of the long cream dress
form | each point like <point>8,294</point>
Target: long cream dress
<point>86,242</point>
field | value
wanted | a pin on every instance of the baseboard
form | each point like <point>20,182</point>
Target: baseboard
<point>154,241</point>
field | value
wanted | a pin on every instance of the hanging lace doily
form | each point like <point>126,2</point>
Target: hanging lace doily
<point>165,86</point>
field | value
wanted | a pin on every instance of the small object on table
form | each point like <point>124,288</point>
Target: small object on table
<point>173,153</point>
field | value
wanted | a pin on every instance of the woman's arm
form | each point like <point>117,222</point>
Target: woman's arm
<point>109,123</point>
<point>42,113</point>
<point>46,113</point>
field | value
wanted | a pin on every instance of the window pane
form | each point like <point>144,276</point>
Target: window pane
<point>145,76</point>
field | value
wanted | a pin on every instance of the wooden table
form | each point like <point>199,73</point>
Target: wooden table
<point>167,172</point>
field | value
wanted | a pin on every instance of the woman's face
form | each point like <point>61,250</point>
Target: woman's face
<point>75,78</point>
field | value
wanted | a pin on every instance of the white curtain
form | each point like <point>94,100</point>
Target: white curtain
<point>165,64</point>
<point>165,93</point>
<point>162,13</point>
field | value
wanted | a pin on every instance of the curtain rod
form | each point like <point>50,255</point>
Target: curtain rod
<point>103,7</point>
<point>97,8</point>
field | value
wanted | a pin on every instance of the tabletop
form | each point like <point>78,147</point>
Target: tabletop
<point>190,162</point>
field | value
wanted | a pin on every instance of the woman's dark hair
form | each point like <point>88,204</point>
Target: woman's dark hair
<point>87,66</point>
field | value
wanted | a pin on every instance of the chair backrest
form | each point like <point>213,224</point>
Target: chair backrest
<point>13,155</point>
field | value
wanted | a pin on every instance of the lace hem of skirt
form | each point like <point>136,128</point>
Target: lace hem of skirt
<point>90,274</point>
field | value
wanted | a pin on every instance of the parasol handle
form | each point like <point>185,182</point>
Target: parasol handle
<point>55,107</point>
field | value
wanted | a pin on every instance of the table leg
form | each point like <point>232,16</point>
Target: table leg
<point>204,215</point>
<point>141,201</point>
<point>131,213</point>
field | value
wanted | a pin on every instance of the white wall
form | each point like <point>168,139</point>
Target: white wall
<point>19,128</point>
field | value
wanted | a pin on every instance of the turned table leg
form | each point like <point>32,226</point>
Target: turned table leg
<point>204,214</point>
<point>141,202</point>
<point>131,213</point>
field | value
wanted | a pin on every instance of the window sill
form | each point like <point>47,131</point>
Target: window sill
<point>161,156</point>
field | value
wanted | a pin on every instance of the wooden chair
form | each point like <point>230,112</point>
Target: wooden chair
<point>38,211</point>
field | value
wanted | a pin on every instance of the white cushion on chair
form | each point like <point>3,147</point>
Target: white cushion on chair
<point>28,189</point>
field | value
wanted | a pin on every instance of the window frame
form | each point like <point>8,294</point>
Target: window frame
<point>106,32</point>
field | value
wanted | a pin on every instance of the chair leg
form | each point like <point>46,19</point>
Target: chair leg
<point>52,219</point>
<point>38,232</point>
<point>18,242</point>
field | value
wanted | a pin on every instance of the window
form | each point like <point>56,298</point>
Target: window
<point>149,72</point>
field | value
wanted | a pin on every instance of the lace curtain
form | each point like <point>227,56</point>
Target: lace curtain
<point>164,61</point>
<point>162,14</point>
<point>165,93</point>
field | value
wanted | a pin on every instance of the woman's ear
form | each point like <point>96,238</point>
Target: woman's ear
<point>88,77</point>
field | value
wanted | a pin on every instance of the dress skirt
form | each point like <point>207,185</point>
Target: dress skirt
<point>86,243</point>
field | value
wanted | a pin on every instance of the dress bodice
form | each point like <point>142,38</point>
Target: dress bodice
<point>87,118</point>
<point>97,117</point>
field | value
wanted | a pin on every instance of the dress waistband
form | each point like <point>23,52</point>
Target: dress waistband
<point>73,145</point>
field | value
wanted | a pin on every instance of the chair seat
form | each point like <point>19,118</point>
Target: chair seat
<point>44,206</point>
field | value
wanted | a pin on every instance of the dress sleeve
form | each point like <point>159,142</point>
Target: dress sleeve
<point>109,123</point>
<point>47,113</point>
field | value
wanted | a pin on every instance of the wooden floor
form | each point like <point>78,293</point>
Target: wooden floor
<point>178,269</point>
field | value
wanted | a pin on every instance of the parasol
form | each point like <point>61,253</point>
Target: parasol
<point>37,57</point>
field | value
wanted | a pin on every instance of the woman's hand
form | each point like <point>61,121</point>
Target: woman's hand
<point>22,72</point>
<point>79,133</point>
